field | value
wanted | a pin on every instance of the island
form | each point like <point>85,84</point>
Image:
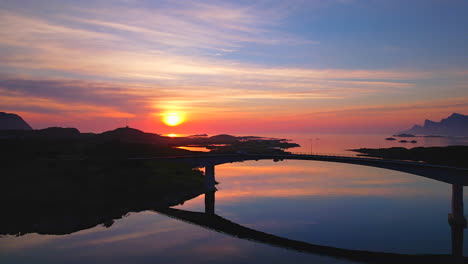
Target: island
<point>449,156</point>
<point>456,125</point>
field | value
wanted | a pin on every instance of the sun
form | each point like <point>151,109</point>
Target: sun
<point>173,118</point>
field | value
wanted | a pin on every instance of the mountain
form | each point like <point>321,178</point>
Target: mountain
<point>128,134</point>
<point>12,122</point>
<point>58,132</point>
<point>454,125</point>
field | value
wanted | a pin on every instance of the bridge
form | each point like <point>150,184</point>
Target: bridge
<point>457,177</point>
<point>447,174</point>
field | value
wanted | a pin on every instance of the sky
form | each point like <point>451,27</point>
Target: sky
<point>242,67</point>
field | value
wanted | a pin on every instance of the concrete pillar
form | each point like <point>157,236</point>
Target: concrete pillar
<point>210,177</point>
<point>457,223</point>
<point>457,201</point>
<point>210,203</point>
<point>457,244</point>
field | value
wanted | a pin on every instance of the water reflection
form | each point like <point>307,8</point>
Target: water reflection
<point>314,193</point>
<point>264,179</point>
<point>210,220</point>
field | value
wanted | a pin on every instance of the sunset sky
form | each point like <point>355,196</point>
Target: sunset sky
<point>300,66</point>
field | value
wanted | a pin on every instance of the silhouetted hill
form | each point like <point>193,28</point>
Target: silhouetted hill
<point>58,132</point>
<point>222,139</point>
<point>454,125</point>
<point>128,134</point>
<point>51,133</point>
<point>128,140</point>
<point>13,122</point>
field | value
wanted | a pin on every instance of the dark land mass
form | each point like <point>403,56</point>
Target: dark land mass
<point>404,135</point>
<point>13,127</point>
<point>59,196</point>
<point>449,156</point>
<point>454,125</point>
<point>58,180</point>
<point>13,122</point>
<point>219,143</point>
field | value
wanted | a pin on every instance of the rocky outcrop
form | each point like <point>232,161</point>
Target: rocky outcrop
<point>454,125</point>
<point>13,122</point>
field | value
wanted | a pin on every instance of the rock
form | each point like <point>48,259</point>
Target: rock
<point>13,122</point>
<point>454,125</point>
<point>404,135</point>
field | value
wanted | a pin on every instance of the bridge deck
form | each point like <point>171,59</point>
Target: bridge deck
<point>447,174</point>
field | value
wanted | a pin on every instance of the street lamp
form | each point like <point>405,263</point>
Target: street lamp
<point>310,139</point>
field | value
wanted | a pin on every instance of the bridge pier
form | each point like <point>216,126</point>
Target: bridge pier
<point>210,202</point>
<point>457,222</point>
<point>210,177</point>
<point>210,182</point>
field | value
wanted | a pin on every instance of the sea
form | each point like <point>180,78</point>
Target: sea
<point>343,144</point>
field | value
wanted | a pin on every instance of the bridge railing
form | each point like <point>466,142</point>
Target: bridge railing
<point>320,155</point>
<point>340,155</point>
<point>332,154</point>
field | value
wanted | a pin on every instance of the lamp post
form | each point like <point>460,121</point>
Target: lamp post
<point>310,139</point>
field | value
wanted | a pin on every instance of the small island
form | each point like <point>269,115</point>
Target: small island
<point>449,156</point>
<point>404,135</point>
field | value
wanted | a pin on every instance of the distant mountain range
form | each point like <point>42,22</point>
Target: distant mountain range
<point>454,125</point>
<point>12,122</point>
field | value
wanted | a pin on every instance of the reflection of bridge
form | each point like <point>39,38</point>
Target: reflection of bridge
<point>208,219</point>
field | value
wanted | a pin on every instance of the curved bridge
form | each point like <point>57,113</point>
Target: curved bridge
<point>457,177</point>
<point>447,174</point>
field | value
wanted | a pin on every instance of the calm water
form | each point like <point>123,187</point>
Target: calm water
<point>339,205</point>
<point>342,143</point>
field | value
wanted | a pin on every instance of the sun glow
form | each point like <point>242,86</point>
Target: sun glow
<point>173,118</point>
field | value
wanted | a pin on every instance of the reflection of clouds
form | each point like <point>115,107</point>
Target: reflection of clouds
<point>248,170</point>
<point>11,243</point>
<point>214,250</point>
<point>320,191</point>
<point>117,238</point>
<point>312,178</point>
<point>139,233</point>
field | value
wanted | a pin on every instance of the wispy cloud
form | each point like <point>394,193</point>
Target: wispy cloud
<point>143,57</point>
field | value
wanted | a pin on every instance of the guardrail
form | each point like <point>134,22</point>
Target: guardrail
<point>320,156</point>
<point>343,156</point>
<point>331,154</point>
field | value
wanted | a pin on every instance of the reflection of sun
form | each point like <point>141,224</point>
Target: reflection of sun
<point>173,118</point>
